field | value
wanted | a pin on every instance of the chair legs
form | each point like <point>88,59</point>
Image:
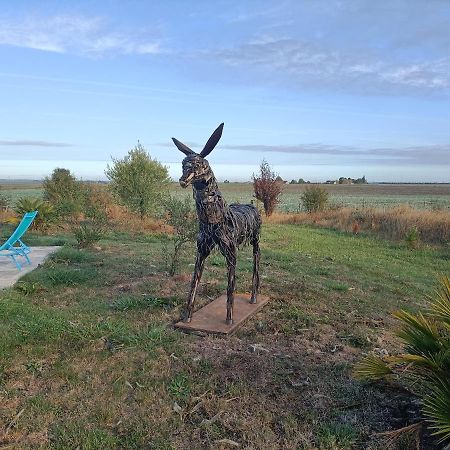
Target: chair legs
<point>26,257</point>
<point>19,251</point>
<point>19,267</point>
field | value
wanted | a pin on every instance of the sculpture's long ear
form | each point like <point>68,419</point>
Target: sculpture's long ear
<point>212,141</point>
<point>183,148</point>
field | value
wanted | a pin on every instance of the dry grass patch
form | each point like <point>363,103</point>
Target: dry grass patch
<point>395,223</point>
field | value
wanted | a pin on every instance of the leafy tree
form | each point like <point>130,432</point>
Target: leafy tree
<point>139,181</point>
<point>360,180</point>
<point>314,198</point>
<point>267,187</point>
<point>64,192</point>
<point>343,180</point>
<point>180,215</point>
<point>424,366</point>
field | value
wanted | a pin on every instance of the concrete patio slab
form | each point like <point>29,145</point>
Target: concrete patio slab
<point>8,270</point>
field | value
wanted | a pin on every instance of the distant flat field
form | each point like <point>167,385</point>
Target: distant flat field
<point>14,194</point>
<point>424,196</point>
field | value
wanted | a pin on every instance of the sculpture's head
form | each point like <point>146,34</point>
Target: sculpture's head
<point>195,166</point>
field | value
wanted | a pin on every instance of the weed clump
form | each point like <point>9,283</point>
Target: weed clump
<point>412,238</point>
<point>183,220</point>
<point>94,223</point>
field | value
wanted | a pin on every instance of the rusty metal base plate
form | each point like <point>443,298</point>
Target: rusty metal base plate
<point>211,318</point>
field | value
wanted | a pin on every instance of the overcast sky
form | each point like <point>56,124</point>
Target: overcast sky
<point>320,89</point>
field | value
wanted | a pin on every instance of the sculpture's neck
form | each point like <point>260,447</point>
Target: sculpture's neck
<point>211,206</point>
<point>206,186</point>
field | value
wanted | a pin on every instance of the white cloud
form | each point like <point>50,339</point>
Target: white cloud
<point>33,143</point>
<point>360,70</point>
<point>418,155</point>
<point>75,34</point>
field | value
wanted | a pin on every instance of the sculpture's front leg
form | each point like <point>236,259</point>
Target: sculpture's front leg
<point>199,265</point>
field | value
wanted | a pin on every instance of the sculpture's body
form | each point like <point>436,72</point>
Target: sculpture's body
<point>221,225</point>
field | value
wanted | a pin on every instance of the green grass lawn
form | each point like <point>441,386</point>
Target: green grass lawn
<point>89,358</point>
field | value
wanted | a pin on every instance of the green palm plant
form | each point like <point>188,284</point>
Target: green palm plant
<point>46,212</point>
<point>425,365</point>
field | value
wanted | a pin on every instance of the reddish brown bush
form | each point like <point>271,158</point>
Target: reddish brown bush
<point>267,187</point>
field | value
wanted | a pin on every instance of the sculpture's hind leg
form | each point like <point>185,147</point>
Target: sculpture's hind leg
<point>231,263</point>
<point>255,279</point>
<point>229,251</point>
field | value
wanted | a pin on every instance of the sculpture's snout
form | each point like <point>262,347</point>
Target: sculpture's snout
<point>185,180</point>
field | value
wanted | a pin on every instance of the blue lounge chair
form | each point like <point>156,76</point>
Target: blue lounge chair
<point>14,246</point>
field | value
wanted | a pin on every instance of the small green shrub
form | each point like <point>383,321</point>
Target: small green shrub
<point>314,199</point>
<point>88,233</point>
<point>46,213</point>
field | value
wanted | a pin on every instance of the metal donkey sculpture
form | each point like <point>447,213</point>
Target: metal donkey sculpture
<point>222,225</point>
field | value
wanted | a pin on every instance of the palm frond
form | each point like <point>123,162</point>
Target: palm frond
<point>436,407</point>
<point>438,362</point>
<point>440,304</point>
<point>419,334</point>
<point>372,368</point>
<point>408,436</point>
